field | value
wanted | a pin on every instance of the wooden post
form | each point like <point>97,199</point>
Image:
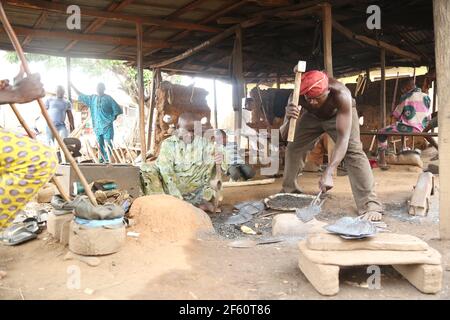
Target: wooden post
<point>442,48</point>
<point>141,92</point>
<point>434,100</point>
<point>383,90</point>
<point>237,82</point>
<point>69,87</point>
<point>216,124</point>
<point>152,107</point>
<point>327,29</point>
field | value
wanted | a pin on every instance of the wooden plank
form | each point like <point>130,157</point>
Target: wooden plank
<point>410,134</point>
<point>442,43</point>
<point>87,11</point>
<point>230,184</point>
<point>375,43</point>
<point>381,241</point>
<point>140,70</point>
<point>369,257</point>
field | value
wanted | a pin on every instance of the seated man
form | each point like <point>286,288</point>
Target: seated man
<point>412,115</point>
<point>238,169</point>
<point>185,166</point>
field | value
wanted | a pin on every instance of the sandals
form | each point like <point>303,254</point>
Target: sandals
<point>20,233</point>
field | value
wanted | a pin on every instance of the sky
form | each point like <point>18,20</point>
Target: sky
<point>51,77</point>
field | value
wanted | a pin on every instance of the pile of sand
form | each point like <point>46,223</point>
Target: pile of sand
<point>165,217</point>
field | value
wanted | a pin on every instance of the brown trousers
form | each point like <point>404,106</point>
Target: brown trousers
<point>307,131</point>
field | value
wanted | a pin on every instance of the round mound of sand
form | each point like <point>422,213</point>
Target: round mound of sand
<point>168,218</point>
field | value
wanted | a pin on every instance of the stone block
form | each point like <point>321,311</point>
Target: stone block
<point>288,224</point>
<point>381,241</point>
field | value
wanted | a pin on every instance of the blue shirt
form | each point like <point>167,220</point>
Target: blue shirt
<point>104,110</point>
<point>57,109</point>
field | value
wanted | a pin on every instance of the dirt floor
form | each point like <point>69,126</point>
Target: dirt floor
<point>208,268</point>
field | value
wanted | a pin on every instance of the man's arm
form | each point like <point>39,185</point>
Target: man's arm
<point>343,128</point>
<point>25,90</point>
<point>78,92</point>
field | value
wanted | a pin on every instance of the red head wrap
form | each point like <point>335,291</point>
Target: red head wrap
<point>314,83</point>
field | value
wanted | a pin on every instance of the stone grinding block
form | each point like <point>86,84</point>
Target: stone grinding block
<point>381,241</point>
<point>370,257</point>
<point>95,241</point>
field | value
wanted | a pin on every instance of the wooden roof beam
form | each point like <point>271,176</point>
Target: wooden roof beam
<point>375,43</point>
<point>191,5</point>
<point>227,8</point>
<point>37,24</point>
<point>87,11</point>
<point>208,43</point>
<point>99,22</point>
<point>89,37</point>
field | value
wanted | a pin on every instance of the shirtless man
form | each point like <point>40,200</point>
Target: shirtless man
<point>329,107</point>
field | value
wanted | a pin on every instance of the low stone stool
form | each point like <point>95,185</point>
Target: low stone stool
<point>322,255</point>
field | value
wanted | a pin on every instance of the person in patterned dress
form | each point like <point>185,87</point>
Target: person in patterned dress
<point>412,114</point>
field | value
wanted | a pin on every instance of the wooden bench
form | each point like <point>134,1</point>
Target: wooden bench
<point>426,135</point>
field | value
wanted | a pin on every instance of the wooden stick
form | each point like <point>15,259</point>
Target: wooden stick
<point>12,36</point>
<point>295,98</point>
<point>108,151</point>
<point>120,153</point>
<point>371,145</point>
<point>32,135</point>
<point>248,183</point>
<point>395,93</point>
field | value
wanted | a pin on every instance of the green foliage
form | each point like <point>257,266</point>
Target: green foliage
<point>126,74</point>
